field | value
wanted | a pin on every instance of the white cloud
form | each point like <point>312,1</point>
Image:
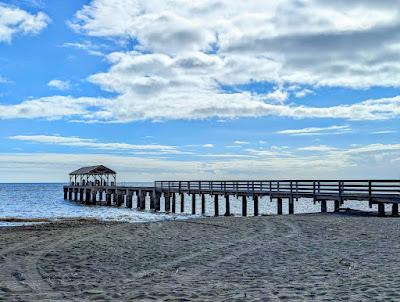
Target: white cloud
<point>208,146</point>
<point>318,130</point>
<point>93,143</point>
<point>14,20</point>
<point>384,132</point>
<point>241,142</point>
<point>304,92</point>
<point>59,84</point>
<point>56,107</point>
<point>87,46</point>
<point>320,148</point>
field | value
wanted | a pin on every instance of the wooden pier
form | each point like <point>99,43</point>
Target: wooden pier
<point>172,193</point>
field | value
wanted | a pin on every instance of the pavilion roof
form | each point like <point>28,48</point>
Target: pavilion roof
<point>93,170</point>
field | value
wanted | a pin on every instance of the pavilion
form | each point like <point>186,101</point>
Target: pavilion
<point>93,176</point>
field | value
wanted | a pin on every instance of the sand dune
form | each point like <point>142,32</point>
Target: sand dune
<point>300,257</point>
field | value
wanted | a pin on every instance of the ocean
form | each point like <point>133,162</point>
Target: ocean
<point>46,201</point>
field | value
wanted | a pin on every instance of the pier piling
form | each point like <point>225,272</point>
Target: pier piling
<point>216,205</point>
<point>227,206</point>
<point>81,192</point>
<point>337,206</point>
<point>291,205</point>
<point>108,199</point>
<point>182,202</point>
<point>244,205</point>
<point>143,195</point>
<point>255,200</point>
<point>129,201</point>
<point>323,206</point>
<point>157,202</point>
<point>173,203</point>
<point>152,201</point>
<point>203,204</point>
<point>395,209</point>
<point>167,203</point>
<point>381,209</point>
<point>87,197</point>
<point>94,196</point>
<point>279,206</point>
<point>193,204</point>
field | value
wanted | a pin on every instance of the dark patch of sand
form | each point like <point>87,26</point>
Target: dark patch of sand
<point>300,257</point>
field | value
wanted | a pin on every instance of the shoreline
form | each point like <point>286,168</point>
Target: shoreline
<point>178,216</point>
<point>296,257</point>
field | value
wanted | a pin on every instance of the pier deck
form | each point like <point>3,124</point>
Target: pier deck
<point>378,192</point>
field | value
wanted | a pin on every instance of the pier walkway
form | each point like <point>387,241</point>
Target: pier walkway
<point>378,192</point>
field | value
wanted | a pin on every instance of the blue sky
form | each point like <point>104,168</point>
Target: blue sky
<point>208,89</point>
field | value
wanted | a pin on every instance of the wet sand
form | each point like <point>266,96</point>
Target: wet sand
<point>300,257</point>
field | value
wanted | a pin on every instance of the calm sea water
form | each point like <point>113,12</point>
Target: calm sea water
<point>46,201</point>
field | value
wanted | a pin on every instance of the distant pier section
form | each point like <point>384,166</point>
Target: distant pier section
<point>97,185</point>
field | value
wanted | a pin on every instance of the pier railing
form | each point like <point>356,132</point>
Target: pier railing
<point>365,189</point>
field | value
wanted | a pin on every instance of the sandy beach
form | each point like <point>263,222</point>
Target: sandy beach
<point>300,257</point>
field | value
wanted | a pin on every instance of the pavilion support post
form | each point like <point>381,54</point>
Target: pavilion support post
<point>87,197</point>
<point>129,200</point>
<point>227,206</point>
<point>173,203</point>
<point>279,206</point>
<point>244,205</point>
<point>395,209</point>
<point>94,196</point>
<point>167,203</point>
<point>157,202</point>
<point>216,205</point>
<point>108,199</point>
<point>193,204</point>
<point>255,200</point>
<point>81,192</point>
<point>203,204</point>
<point>323,206</point>
<point>182,202</point>
<point>143,201</point>
<point>337,206</point>
<point>291,205</point>
<point>381,209</point>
